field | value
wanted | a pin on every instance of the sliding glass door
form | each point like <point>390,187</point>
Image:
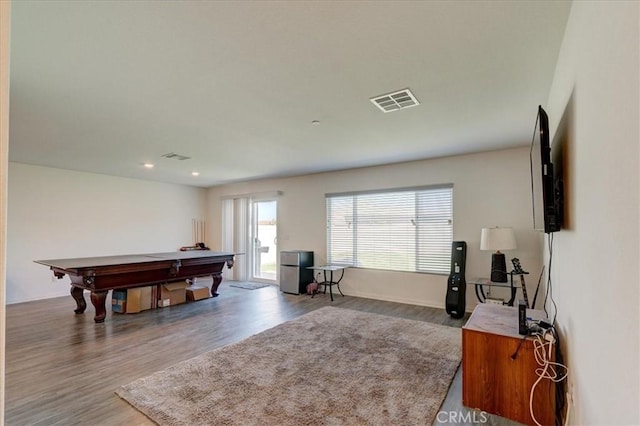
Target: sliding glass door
<point>264,240</point>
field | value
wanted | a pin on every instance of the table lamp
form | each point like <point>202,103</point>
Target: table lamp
<point>498,239</point>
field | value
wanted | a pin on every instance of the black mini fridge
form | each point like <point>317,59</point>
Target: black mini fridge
<point>294,275</point>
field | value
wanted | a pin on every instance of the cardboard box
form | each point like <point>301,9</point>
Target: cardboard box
<point>172,293</point>
<point>202,281</point>
<point>132,300</point>
<point>119,301</point>
<point>139,299</point>
<point>196,292</point>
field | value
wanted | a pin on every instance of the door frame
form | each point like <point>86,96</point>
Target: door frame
<point>253,234</point>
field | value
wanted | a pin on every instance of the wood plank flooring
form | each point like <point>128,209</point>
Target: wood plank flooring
<point>62,368</point>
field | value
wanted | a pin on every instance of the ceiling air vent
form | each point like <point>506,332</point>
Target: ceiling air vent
<point>175,156</point>
<point>394,101</point>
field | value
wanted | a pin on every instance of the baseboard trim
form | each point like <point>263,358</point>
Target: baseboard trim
<point>429,304</point>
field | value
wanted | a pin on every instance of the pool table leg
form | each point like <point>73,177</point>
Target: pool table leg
<point>217,279</point>
<point>98,299</point>
<point>78,295</point>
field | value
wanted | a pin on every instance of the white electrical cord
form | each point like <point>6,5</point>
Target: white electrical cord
<point>542,350</point>
<point>566,418</point>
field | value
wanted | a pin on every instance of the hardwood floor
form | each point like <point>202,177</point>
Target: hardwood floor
<point>62,368</point>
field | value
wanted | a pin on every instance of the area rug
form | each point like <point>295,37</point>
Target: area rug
<point>247,285</point>
<point>332,366</point>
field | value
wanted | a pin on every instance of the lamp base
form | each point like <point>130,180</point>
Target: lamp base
<point>498,268</point>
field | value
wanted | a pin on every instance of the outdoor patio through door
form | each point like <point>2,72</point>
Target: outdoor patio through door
<point>264,240</point>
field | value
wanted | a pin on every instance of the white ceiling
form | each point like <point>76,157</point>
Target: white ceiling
<point>105,86</point>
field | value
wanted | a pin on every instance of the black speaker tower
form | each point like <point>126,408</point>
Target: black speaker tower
<point>456,301</point>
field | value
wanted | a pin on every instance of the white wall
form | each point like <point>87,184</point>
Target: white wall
<point>595,262</point>
<point>57,214</point>
<point>490,189</point>
<point>5,12</point>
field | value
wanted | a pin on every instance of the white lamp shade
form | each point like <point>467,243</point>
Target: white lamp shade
<point>495,239</point>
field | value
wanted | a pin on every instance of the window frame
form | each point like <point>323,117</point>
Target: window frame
<point>440,257</point>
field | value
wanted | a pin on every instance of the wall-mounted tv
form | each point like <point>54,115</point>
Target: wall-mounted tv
<point>546,182</point>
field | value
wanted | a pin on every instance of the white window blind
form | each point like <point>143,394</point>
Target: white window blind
<point>401,230</point>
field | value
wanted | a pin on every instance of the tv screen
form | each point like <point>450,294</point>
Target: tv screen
<point>546,192</point>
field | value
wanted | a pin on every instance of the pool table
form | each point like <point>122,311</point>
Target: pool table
<point>101,274</point>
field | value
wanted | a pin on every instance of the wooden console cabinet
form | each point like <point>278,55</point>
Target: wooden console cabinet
<point>494,382</point>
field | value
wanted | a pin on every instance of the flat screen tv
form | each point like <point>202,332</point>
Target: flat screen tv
<point>546,182</point>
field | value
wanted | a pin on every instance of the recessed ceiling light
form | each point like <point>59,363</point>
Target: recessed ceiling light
<point>148,165</point>
<point>195,173</point>
<point>315,122</point>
